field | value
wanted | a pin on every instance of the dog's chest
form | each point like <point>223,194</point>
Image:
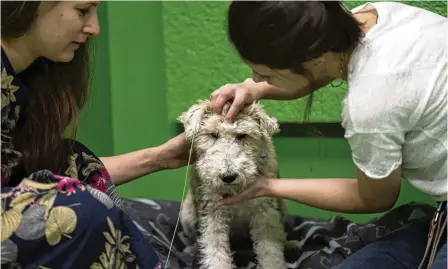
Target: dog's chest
<point>240,218</point>
<point>241,212</point>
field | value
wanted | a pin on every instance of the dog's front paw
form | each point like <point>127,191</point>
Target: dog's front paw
<point>214,245</point>
<point>218,266</point>
<point>269,239</point>
<point>188,219</point>
<point>270,255</point>
<point>216,258</point>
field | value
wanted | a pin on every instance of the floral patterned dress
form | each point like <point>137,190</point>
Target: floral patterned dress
<point>69,220</point>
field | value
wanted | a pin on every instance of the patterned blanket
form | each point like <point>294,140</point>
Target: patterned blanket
<point>323,243</point>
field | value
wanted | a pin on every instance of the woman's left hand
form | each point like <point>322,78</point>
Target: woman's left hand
<point>175,153</point>
<point>261,187</point>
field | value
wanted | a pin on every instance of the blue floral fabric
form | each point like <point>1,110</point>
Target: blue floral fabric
<point>72,219</point>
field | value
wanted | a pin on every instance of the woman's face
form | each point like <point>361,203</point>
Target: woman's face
<point>282,78</point>
<point>317,76</point>
<point>60,28</point>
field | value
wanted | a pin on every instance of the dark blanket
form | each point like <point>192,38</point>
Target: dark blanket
<point>323,243</point>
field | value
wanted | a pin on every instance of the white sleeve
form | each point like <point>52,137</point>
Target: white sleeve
<point>376,154</point>
<point>375,120</point>
<point>377,112</point>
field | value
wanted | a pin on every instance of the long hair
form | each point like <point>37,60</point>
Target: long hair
<point>58,91</point>
<point>285,34</point>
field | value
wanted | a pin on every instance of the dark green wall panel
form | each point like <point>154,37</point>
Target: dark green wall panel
<point>95,128</point>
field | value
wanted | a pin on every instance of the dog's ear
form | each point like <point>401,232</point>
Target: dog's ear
<point>192,118</point>
<point>268,124</point>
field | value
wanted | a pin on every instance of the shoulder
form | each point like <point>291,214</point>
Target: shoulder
<point>10,84</point>
<point>14,94</point>
<point>390,84</point>
<point>403,36</point>
<point>11,105</point>
<point>397,12</point>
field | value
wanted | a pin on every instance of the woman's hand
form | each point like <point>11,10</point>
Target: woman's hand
<point>130,166</point>
<point>240,94</point>
<point>174,153</point>
<point>261,187</point>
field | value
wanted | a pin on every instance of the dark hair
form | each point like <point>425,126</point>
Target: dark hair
<point>284,34</point>
<point>58,91</point>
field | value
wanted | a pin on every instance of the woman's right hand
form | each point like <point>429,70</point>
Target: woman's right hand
<point>240,94</point>
<point>260,188</point>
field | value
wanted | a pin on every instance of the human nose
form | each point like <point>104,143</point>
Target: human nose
<point>92,27</point>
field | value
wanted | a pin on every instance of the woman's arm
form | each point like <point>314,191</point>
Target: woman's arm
<point>361,195</point>
<point>127,167</point>
<point>247,92</point>
<point>345,195</point>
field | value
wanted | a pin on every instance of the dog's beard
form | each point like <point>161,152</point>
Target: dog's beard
<point>211,168</point>
<point>227,190</point>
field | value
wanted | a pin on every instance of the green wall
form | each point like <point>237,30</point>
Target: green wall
<point>199,59</point>
<point>154,59</point>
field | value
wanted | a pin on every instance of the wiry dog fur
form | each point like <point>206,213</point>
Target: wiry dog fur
<point>230,156</point>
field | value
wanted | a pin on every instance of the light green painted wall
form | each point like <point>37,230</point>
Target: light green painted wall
<point>195,36</point>
<point>199,59</point>
<point>154,59</point>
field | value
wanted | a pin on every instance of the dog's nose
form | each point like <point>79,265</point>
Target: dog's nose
<point>229,178</point>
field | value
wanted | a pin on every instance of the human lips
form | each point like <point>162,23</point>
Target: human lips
<point>79,43</point>
<point>76,44</point>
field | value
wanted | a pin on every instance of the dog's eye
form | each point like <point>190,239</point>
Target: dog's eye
<point>241,136</point>
<point>214,135</point>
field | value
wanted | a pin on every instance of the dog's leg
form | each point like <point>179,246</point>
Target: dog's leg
<point>269,237</point>
<point>188,220</point>
<point>214,241</point>
<point>188,216</point>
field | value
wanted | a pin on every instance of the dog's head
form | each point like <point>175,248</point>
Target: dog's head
<point>229,155</point>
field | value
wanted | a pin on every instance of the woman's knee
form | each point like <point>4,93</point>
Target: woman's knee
<point>369,258</point>
<point>403,248</point>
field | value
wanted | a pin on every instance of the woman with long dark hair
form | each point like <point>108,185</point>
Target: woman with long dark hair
<point>60,208</point>
<point>394,59</point>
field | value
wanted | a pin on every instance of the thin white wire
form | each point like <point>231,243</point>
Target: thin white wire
<point>182,202</point>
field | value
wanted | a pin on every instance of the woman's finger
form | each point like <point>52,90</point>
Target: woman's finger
<point>237,105</point>
<point>231,200</point>
<point>250,193</point>
<point>215,94</point>
<point>221,100</point>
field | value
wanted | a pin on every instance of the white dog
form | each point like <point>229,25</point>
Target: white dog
<point>231,156</point>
